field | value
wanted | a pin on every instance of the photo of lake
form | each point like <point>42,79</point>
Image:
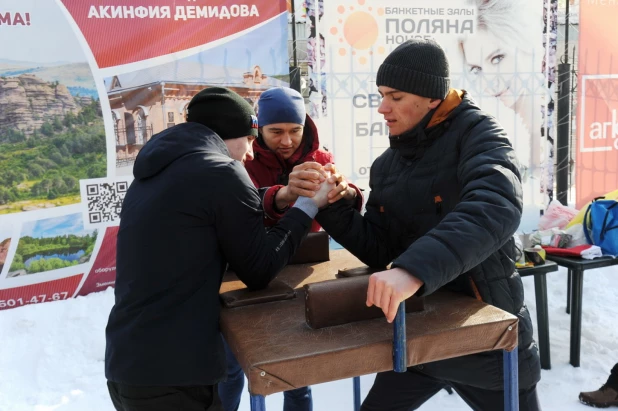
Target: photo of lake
<point>52,244</point>
<point>72,257</point>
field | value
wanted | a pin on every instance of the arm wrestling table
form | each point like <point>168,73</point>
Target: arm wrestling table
<point>278,351</point>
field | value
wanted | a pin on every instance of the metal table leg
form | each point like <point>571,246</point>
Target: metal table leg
<point>511,381</point>
<point>542,319</point>
<point>399,340</point>
<point>357,399</point>
<point>569,281</point>
<point>577,289</point>
<point>258,403</point>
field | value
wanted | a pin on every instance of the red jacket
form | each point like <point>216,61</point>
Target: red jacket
<point>268,169</point>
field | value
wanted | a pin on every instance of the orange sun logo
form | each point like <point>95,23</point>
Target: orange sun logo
<point>359,29</point>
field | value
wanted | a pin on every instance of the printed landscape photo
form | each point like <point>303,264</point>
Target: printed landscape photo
<point>4,250</point>
<point>51,244</point>
<point>6,232</point>
<point>49,140</point>
<point>51,125</point>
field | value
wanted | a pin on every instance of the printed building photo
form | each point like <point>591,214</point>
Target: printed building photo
<point>147,101</point>
<point>150,101</point>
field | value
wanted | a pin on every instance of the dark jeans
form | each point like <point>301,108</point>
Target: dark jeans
<point>163,398</point>
<point>230,391</point>
<point>406,391</point>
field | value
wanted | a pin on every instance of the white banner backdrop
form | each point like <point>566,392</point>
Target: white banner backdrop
<point>495,49</point>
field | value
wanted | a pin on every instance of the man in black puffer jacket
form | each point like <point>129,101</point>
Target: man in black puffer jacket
<point>445,201</point>
<point>191,210</point>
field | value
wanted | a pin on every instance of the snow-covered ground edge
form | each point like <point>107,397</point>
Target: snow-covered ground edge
<point>52,354</point>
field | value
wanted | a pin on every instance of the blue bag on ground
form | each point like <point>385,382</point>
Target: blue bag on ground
<point>601,225</point>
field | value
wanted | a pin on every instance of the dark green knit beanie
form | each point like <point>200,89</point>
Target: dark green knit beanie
<point>224,112</point>
<point>418,67</point>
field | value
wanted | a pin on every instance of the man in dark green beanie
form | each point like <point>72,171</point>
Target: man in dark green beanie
<point>445,201</point>
<point>191,210</point>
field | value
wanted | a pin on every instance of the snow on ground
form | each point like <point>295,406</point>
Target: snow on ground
<point>52,354</point>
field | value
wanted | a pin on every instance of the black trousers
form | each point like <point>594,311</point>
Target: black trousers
<point>612,381</point>
<point>406,391</point>
<point>162,398</point>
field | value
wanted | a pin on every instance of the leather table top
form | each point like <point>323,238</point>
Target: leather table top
<point>278,351</point>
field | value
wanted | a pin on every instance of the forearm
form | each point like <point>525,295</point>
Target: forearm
<point>282,199</point>
<point>356,233</point>
<point>453,248</point>
<point>271,210</point>
<point>268,252</point>
<point>255,254</point>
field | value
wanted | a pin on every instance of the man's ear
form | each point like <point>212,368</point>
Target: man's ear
<point>434,102</point>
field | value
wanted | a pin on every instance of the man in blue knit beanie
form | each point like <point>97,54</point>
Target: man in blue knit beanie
<point>287,162</point>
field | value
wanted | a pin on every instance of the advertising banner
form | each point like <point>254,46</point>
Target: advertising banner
<point>499,51</point>
<point>596,161</point>
<point>83,86</point>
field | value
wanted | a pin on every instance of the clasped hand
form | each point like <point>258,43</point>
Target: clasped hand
<point>308,180</point>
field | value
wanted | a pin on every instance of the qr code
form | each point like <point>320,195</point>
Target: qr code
<point>104,200</point>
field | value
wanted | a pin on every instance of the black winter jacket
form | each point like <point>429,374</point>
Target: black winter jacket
<point>445,202</point>
<point>189,212</point>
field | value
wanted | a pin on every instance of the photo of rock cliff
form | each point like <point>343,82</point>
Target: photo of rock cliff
<point>51,126</point>
<point>49,140</point>
<point>27,102</point>
<point>75,76</point>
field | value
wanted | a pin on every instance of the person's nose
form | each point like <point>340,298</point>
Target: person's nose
<point>384,107</point>
<point>286,140</point>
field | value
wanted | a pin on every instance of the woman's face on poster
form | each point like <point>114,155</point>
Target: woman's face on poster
<point>495,64</point>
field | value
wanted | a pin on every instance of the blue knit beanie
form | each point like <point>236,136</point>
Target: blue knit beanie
<point>281,105</point>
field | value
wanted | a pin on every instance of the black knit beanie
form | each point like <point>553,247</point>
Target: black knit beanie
<point>418,67</point>
<point>224,112</point>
